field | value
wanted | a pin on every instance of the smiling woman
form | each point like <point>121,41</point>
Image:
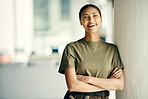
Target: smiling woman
<point>91,20</point>
<point>91,66</point>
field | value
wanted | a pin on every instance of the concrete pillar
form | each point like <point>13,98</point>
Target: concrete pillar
<point>131,36</point>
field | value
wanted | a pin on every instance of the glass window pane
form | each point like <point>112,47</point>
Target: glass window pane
<point>65,6</point>
<point>41,15</point>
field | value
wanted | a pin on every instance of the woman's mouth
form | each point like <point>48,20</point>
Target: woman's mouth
<point>91,25</point>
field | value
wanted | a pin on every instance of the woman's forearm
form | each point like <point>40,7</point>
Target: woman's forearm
<point>107,84</point>
<point>74,84</point>
<point>112,83</point>
<point>80,86</point>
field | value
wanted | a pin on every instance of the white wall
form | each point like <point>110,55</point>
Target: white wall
<point>6,26</point>
<point>16,28</point>
<point>131,36</point>
<point>24,28</point>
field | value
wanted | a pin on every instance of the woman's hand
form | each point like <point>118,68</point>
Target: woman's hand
<point>116,73</point>
<point>82,78</point>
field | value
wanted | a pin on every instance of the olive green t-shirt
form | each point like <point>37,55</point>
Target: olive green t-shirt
<point>96,59</point>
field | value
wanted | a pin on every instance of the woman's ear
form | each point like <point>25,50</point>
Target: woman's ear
<point>80,22</point>
<point>101,19</point>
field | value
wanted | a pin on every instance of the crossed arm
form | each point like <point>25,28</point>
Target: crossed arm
<point>81,83</point>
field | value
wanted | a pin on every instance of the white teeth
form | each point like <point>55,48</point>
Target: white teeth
<point>91,25</point>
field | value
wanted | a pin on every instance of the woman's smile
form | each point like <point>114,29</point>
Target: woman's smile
<point>92,25</point>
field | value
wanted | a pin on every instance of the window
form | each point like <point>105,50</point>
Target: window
<point>41,17</point>
<point>65,7</point>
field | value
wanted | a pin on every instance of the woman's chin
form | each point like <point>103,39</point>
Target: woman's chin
<point>92,31</point>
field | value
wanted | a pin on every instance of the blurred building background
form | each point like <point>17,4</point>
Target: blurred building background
<point>39,26</point>
<point>33,34</point>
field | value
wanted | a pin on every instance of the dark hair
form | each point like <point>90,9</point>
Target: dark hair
<point>86,6</point>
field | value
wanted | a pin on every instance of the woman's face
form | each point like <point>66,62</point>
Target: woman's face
<point>91,20</point>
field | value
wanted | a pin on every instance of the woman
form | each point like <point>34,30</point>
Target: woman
<point>91,66</point>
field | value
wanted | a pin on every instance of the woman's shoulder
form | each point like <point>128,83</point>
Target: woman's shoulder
<point>74,43</point>
<point>109,44</point>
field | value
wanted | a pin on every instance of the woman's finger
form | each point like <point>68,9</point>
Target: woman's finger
<point>114,71</point>
<point>116,74</point>
<point>118,71</point>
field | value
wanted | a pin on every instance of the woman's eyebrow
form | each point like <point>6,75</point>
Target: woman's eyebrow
<point>85,14</point>
<point>92,13</point>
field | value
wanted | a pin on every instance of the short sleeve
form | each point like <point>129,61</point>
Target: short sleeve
<point>117,62</point>
<point>68,59</point>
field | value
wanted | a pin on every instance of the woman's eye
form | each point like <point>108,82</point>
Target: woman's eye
<point>95,15</point>
<point>85,17</point>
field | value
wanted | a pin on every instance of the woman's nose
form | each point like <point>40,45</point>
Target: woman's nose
<point>91,19</point>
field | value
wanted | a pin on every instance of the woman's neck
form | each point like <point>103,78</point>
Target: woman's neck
<point>92,37</point>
